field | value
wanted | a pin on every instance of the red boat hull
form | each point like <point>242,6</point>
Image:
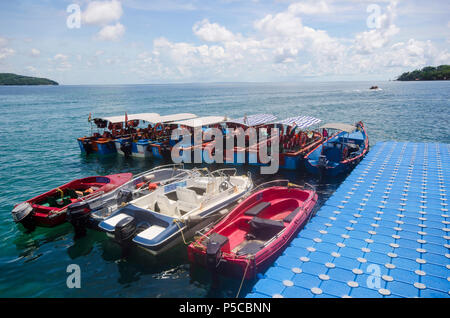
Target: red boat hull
<point>286,208</point>
<point>47,215</point>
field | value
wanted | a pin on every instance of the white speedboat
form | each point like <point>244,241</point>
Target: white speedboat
<point>175,212</point>
<point>88,213</point>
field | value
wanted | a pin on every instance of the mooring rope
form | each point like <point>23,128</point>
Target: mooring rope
<point>243,277</point>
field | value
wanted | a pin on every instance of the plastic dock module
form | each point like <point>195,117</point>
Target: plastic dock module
<point>384,233</point>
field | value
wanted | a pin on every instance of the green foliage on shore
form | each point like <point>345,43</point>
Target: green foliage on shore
<point>429,73</point>
<point>14,79</point>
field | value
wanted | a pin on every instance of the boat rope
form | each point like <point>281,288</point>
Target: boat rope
<point>60,191</point>
<point>181,231</point>
<point>243,277</point>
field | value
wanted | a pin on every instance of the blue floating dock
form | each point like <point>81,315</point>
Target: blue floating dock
<point>384,232</point>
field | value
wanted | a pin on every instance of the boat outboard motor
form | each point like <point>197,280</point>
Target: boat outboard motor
<point>87,145</point>
<point>213,252</point>
<point>124,196</point>
<point>124,233</point>
<point>22,213</point>
<point>78,215</point>
<point>322,165</point>
<point>126,147</point>
<point>166,151</point>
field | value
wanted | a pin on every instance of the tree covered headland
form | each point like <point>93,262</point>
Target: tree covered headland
<point>429,73</point>
<point>13,79</point>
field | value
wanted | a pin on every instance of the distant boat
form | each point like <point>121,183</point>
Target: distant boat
<point>374,87</point>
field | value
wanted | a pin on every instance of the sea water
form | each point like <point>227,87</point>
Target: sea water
<point>39,151</point>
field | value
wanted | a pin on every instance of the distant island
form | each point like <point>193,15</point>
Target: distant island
<point>429,73</point>
<point>14,79</point>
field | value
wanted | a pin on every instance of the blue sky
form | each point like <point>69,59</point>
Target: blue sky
<point>171,41</point>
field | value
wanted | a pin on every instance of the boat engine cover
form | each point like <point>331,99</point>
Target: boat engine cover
<point>78,210</point>
<point>124,196</point>
<point>21,211</point>
<point>323,161</point>
<point>216,241</point>
<point>126,148</point>
<point>125,229</point>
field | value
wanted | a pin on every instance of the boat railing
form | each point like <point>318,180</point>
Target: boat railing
<point>172,165</point>
<point>185,175</point>
<point>278,182</point>
<point>221,172</point>
<point>92,196</point>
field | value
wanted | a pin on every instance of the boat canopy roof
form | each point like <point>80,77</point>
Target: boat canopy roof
<point>201,121</point>
<point>340,126</point>
<point>176,117</point>
<point>301,122</point>
<point>150,117</point>
<point>254,120</point>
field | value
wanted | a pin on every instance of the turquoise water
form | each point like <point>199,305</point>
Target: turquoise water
<point>39,127</point>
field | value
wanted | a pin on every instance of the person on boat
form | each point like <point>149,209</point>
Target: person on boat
<point>291,130</point>
<point>324,133</point>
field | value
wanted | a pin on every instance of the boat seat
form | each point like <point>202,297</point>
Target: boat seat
<point>166,207</point>
<point>210,187</point>
<point>187,195</point>
<point>264,229</point>
<point>292,215</point>
<point>252,247</point>
<point>115,219</point>
<point>151,232</point>
<point>255,210</point>
<point>187,206</point>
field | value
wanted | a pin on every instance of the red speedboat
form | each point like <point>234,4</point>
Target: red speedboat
<point>49,209</point>
<point>255,232</point>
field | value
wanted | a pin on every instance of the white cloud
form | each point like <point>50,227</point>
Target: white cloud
<point>102,12</point>
<point>35,52</point>
<point>5,52</point>
<point>111,32</point>
<point>61,62</point>
<point>31,70</point>
<point>281,45</point>
<point>368,41</point>
<point>212,32</point>
<point>3,42</point>
<point>309,7</point>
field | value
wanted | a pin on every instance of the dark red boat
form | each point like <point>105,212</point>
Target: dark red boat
<point>255,232</point>
<point>49,209</point>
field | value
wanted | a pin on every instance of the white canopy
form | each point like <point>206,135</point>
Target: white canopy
<point>302,122</point>
<point>201,121</point>
<point>176,117</point>
<point>340,126</point>
<point>150,117</point>
<point>254,120</point>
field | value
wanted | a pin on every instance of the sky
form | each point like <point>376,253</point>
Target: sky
<point>184,41</point>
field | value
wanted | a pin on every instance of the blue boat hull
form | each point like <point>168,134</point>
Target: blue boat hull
<point>335,165</point>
